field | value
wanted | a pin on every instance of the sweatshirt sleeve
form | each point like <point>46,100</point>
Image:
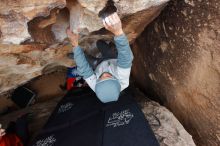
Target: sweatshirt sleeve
<point>125,55</point>
<point>83,67</point>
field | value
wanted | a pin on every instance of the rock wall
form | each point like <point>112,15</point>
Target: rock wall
<point>177,58</point>
<point>14,16</point>
<point>32,33</point>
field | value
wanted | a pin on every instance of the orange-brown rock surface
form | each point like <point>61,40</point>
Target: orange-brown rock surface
<point>177,58</point>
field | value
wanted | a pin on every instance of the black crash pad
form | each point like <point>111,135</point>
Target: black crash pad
<point>80,119</point>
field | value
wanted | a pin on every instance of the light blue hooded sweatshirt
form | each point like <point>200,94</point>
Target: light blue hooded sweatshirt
<point>120,68</point>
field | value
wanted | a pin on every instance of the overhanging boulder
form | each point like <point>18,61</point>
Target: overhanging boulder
<point>32,33</point>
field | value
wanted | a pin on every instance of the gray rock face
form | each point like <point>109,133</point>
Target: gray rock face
<point>178,58</point>
<point>167,129</point>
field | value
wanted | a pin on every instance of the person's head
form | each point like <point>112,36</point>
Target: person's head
<point>107,88</point>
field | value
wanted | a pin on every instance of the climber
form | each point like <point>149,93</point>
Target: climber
<point>109,75</point>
